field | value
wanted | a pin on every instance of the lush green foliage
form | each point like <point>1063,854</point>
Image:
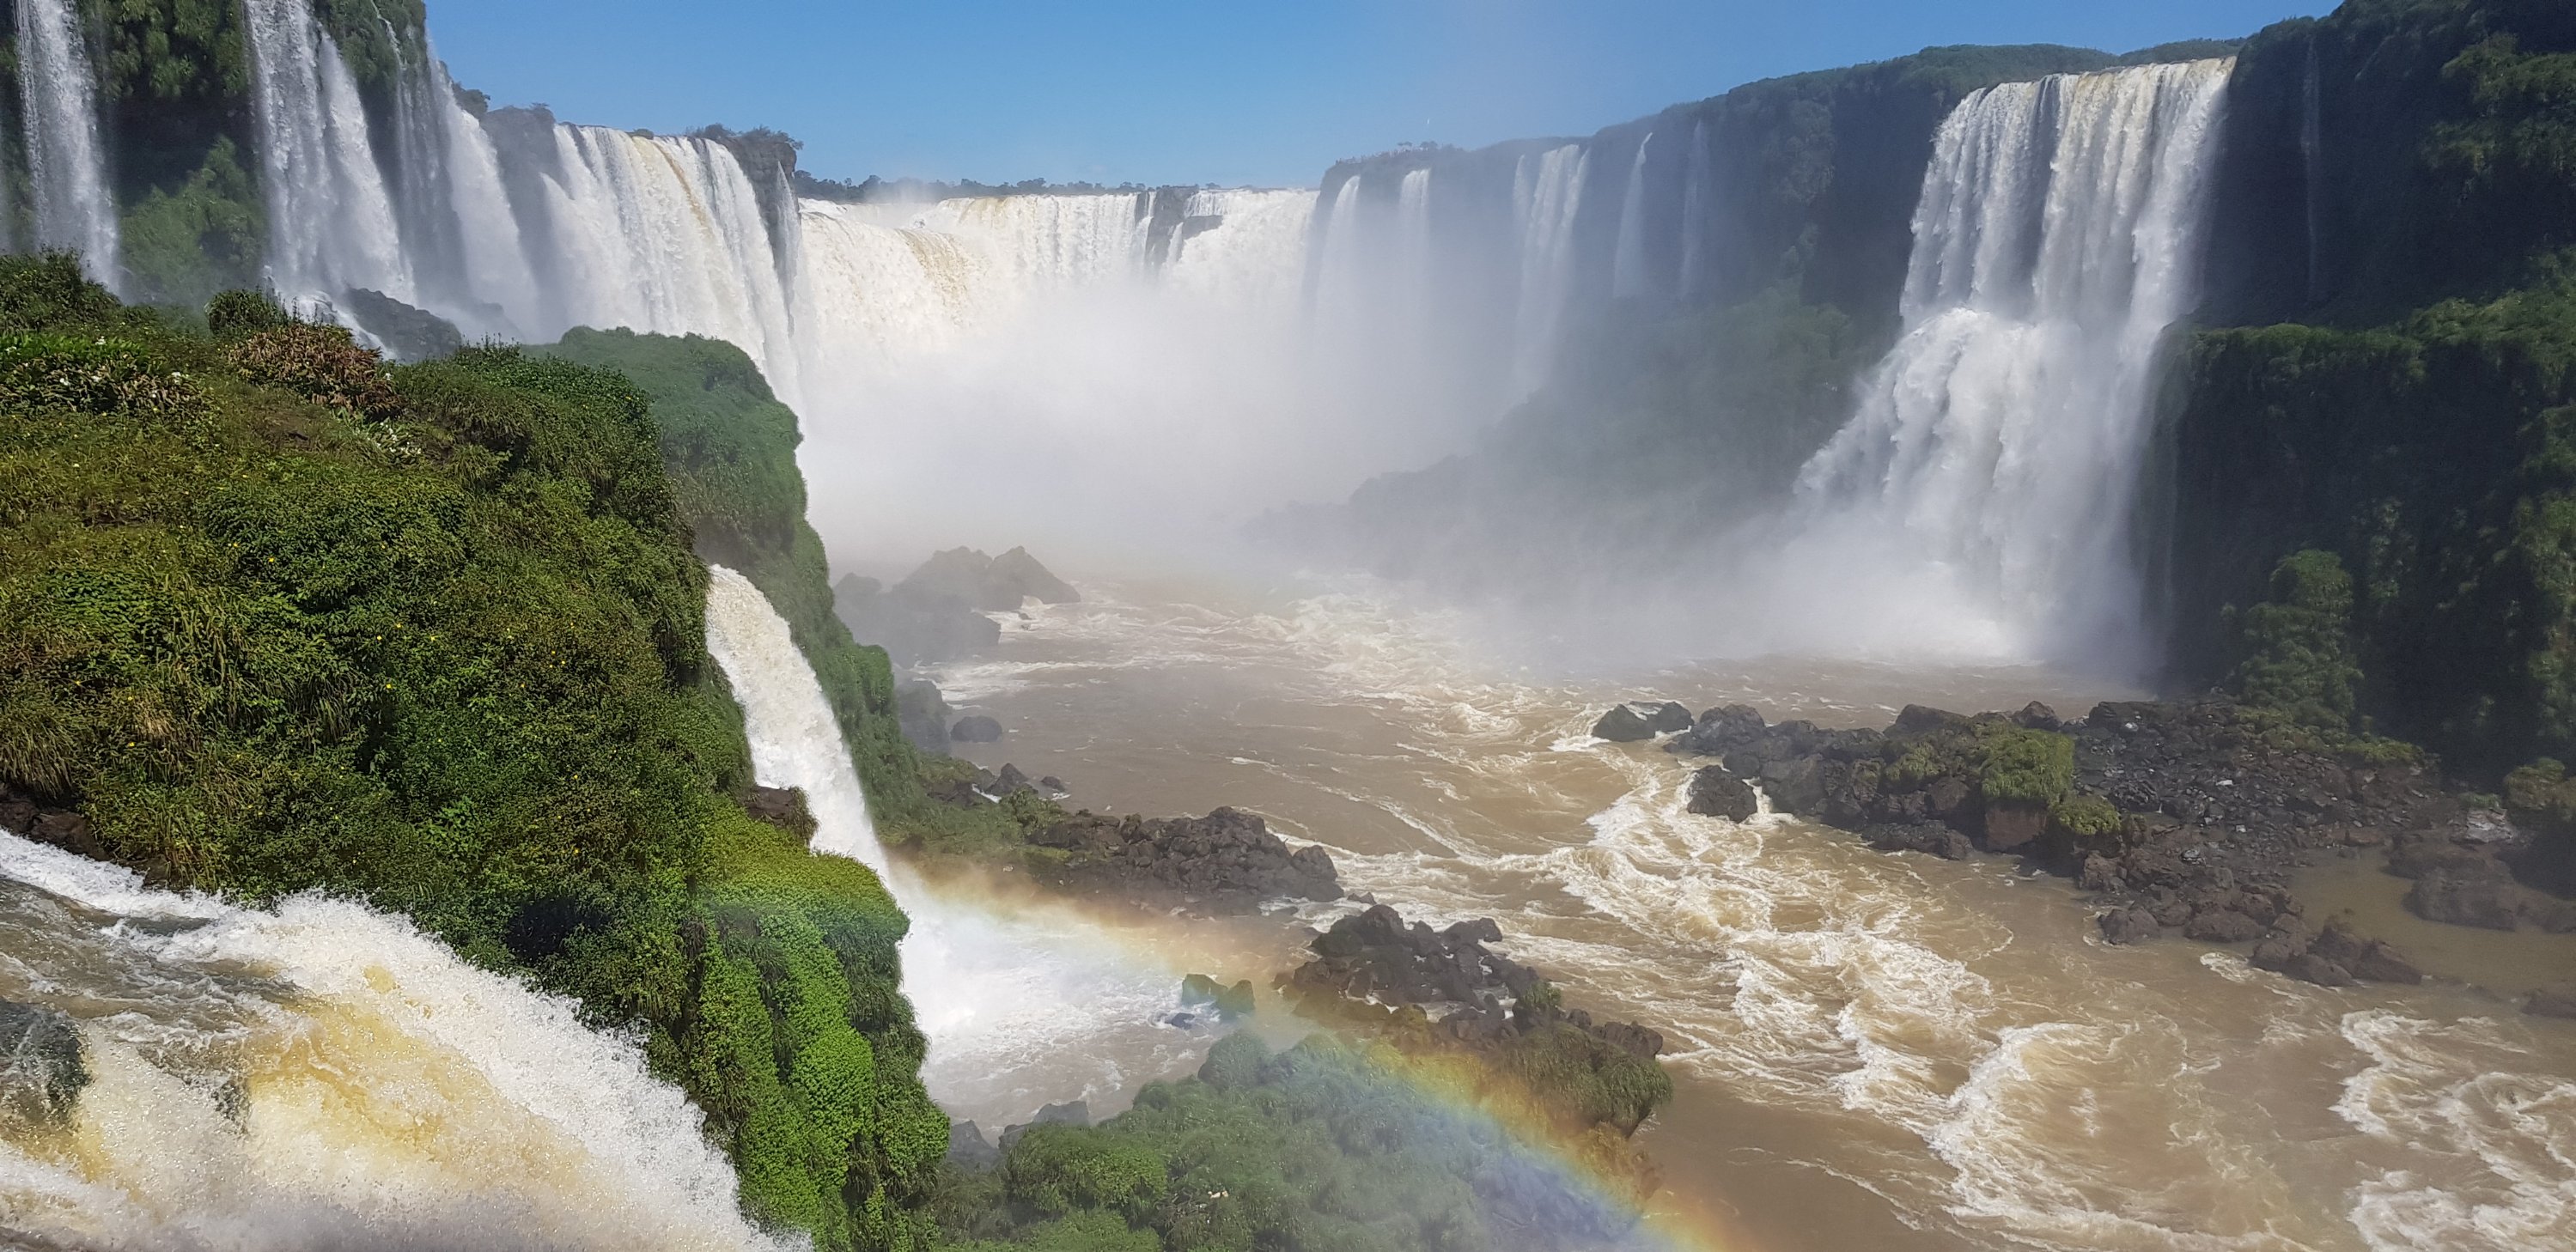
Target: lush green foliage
<point>2031,768</point>
<point>1317,1149</point>
<point>730,449</point>
<point>183,245</point>
<point>2297,645</point>
<point>439,647</point>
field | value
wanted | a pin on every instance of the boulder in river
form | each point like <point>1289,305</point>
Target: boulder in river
<point>976,729</point>
<point>1639,720</point>
<point>1227,862</point>
<point>1716,793</point>
<point>43,1070</point>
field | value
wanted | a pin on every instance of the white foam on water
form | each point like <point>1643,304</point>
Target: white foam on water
<point>318,1075</point>
<point>2461,1092</point>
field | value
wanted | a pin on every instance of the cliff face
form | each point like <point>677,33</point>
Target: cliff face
<point>2399,197</point>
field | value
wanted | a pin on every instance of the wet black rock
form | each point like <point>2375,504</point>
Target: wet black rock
<point>1229,1003</point>
<point>1929,837</point>
<point>782,807</point>
<point>2332,957</point>
<point>1716,793</point>
<point>41,1068</point>
<point>1227,862</point>
<point>969,1149</point>
<point>921,712</point>
<point>2131,924</point>
<point>405,332</point>
<point>976,729</point>
<point>1640,720</point>
<point>1375,956</point>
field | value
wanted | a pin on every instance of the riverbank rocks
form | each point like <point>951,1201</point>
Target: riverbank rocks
<point>1427,990</point>
<point>2462,877</point>
<point>2188,818</point>
<point>1227,862</point>
<point>1716,793</point>
<point>1639,720</point>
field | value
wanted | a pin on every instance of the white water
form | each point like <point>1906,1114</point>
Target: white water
<point>1050,241</point>
<point>1020,1010</point>
<point>1999,444</point>
<point>666,234</point>
<point>320,1075</point>
<point>1547,192</point>
<point>331,224</point>
<point>1255,255</point>
<point>66,161</point>
<point>1628,256</point>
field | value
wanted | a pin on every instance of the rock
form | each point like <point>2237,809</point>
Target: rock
<point>1227,862</point>
<point>407,334</point>
<point>1668,717</point>
<point>1947,796</point>
<point>44,1070</point>
<point>976,729</point>
<point>2277,950</point>
<point>1070,1113</point>
<point>1053,787</point>
<point>1928,837</point>
<point>2310,967</point>
<point>782,807</point>
<point>1716,793</point>
<point>1230,1003</point>
<point>914,626</point>
<point>1020,572</point>
<point>1721,730</point>
<point>2558,1000</point>
<point>2011,827</point>
<point>2221,926</point>
<point>2490,901</point>
<point>2100,873</point>
<point>2130,925</point>
<point>921,712</point>
<point>968,1149</point>
<point>1010,780</point>
<point>2037,716</point>
<point>1622,725</point>
<point>2384,963</point>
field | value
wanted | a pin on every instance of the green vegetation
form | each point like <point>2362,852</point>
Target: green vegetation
<point>185,245</point>
<point>2029,768</point>
<point>276,618</point>
<point>2082,820</point>
<point>1319,1147</point>
<point>2297,644</point>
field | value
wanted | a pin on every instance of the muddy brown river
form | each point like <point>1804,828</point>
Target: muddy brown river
<point>1872,1051</point>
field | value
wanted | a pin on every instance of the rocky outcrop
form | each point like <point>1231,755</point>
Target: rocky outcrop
<point>976,729</point>
<point>937,613</point>
<point>1227,862</point>
<point>922,714</point>
<point>782,807</point>
<point>2185,818</point>
<point>1716,793</point>
<point>1640,720</point>
<point>2462,876</point>
<point>1446,990</point>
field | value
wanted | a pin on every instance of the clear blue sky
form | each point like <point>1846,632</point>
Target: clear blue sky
<point>1209,91</point>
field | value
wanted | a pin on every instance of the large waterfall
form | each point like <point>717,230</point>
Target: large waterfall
<point>318,1075</point>
<point>2001,440</point>
<point>1020,1009</point>
<point>66,160</point>
<point>331,224</point>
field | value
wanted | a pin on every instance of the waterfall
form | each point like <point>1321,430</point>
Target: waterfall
<point>2057,236</point>
<point>1020,1010</point>
<point>1251,248</point>
<point>331,223</point>
<point>665,235</point>
<point>66,157</point>
<point>1695,196</point>
<point>1628,258</point>
<point>1547,191</point>
<point>320,1075</point>
<point>1050,240</point>
<point>460,238</point>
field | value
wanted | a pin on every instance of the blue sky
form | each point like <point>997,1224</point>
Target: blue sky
<point>1208,91</point>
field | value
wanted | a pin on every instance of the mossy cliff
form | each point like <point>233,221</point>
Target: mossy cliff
<point>2395,237</point>
<point>276,618</point>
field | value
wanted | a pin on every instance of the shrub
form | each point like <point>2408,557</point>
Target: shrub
<point>98,375</point>
<point>2297,645</point>
<point>2084,820</point>
<point>239,314</point>
<point>322,364</point>
<point>2031,768</point>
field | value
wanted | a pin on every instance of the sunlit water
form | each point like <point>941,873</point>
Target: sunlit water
<point>1873,1051</point>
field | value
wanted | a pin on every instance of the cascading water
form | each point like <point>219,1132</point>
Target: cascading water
<point>1547,192</point>
<point>1628,257</point>
<point>1695,198</point>
<point>1050,240</point>
<point>318,1075</point>
<point>458,231</point>
<point>666,234</point>
<point>331,222</point>
<point>2058,235</point>
<point>1020,1011</point>
<point>1252,248</point>
<point>66,159</point>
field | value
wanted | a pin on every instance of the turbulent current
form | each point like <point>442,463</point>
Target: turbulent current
<point>1874,1050</point>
